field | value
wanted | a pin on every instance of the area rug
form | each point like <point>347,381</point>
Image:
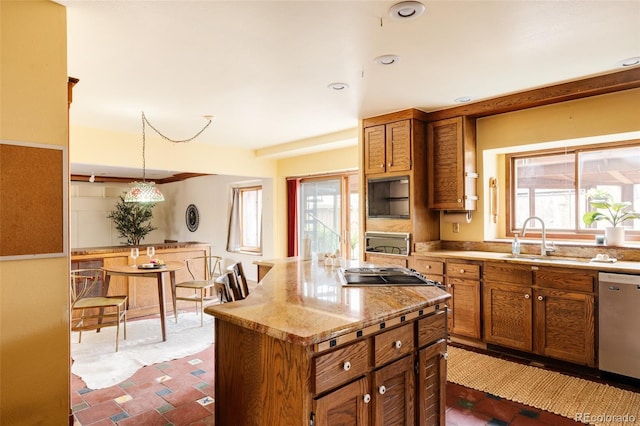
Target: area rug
<point>581,400</point>
<point>99,366</point>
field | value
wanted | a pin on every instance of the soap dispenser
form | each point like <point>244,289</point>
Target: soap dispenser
<point>515,246</point>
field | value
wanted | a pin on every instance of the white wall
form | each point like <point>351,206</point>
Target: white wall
<point>90,204</point>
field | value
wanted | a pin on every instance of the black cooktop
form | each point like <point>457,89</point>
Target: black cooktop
<point>382,276</point>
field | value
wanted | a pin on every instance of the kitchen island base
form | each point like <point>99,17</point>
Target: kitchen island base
<point>395,375</point>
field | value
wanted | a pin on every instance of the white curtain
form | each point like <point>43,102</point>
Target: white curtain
<point>234,235</point>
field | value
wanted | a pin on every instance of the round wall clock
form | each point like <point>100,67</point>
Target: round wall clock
<point>192,217</point>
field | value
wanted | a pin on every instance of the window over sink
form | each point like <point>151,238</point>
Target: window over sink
<point>553,185</point>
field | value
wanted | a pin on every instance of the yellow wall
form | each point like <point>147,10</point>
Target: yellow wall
<point>104,147</point>
<point>34,307</point>
<point>597,119</point>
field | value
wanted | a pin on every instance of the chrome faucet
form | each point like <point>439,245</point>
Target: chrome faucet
<point>544,249</point>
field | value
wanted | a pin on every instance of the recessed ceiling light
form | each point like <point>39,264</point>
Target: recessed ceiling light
<point>462,99</point>
<point>629,62</point>
<point>386,59</point>
<point>406,10</point>
<point>338,86</point>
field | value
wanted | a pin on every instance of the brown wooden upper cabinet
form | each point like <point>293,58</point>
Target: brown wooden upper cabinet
<point>452,173</point>
<point>387,147</point>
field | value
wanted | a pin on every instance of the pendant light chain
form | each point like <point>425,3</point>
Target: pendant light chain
<point>145,121</point>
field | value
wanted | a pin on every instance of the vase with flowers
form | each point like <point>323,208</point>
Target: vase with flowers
<point>614,212</point>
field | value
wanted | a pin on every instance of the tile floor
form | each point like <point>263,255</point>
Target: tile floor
<point>180,392</point>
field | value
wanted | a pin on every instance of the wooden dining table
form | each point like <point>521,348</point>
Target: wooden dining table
<point>169,267</point>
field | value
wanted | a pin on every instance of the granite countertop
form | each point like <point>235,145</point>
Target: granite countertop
<point>568,262</point>
<point>305,303</point>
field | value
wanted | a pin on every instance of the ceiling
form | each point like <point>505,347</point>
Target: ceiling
<point>262,68</point>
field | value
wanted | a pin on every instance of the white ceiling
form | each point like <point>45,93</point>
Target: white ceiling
<point>261,68</point>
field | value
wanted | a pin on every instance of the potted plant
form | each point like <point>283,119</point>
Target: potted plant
<point>613,212</point>
<point>130,219</point>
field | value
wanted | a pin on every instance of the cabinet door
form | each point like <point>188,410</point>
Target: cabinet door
<point>374,150</point>
<point>451,169</point>
<point>432,378</point>
<point>565,325</point>
<point>465,307</point>
<point>398,138</point>
<point>394,393</point>
<point>508,317</point>
<point>348,405</point>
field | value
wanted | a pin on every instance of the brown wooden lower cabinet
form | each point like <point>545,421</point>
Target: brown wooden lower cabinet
<point>432,373</point>
<point>394,393</point>
<point>545,310</point>
<point>463,283</point>
<point>396,376</point>
<point>348,405</point>
<point>565,327</point>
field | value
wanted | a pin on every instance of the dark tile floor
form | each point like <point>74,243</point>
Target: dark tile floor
<point>180,392</point>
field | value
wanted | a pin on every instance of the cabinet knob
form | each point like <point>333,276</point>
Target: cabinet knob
<point>428,266</point>
<point>346,366</point>
<point>398,344</point>
<point>540,298</point>
<point>449,286</point>
<point>462,271</point>
<point>366,398</point>
<point>459,200</point>
<point>445,355</point>
<point>389,165</point>
<point>382,390</point>
<point>526,296</point>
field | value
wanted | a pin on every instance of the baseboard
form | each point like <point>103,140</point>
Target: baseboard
<point>468,342</point>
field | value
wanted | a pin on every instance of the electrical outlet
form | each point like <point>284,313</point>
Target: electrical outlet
<point>456,227</point>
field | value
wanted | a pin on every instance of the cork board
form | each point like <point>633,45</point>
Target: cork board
<point>33,193</point>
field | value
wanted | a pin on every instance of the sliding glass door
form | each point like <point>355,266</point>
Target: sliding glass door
<point>328,214</point>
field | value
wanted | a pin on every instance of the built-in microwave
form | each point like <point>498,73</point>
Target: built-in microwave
<point>388,197</point>
<point>388,242</point>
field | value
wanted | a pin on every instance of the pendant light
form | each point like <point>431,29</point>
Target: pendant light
<point>146,192</point>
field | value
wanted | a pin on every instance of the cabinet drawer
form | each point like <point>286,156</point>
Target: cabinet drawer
<point>341,365</point>
<point>507,273</point>
<point>393,344</point>
<point>566,279</point>
<point>432,328</point>
<point>463,270</point>
<point>428,267</point>
<point>387,260</point>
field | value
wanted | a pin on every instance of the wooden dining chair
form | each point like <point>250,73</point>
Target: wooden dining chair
<point>209,267</point>
<point>226,288</point>
<point>241,278</point>
<point>95,310</point>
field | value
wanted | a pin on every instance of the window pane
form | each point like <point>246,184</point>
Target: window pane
<point>320,214</point>
<point>251,201</point>
<point>616,171</point>
<point>544,187</point>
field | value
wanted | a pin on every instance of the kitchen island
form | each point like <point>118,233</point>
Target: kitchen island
<point>304,349</point>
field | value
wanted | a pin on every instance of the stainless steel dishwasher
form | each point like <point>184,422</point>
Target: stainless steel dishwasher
<point>619,324</point>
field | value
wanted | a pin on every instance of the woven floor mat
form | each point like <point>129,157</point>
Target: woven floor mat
<point>579,399</point>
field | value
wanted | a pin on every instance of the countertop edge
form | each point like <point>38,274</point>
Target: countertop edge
<point>620,266</point>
